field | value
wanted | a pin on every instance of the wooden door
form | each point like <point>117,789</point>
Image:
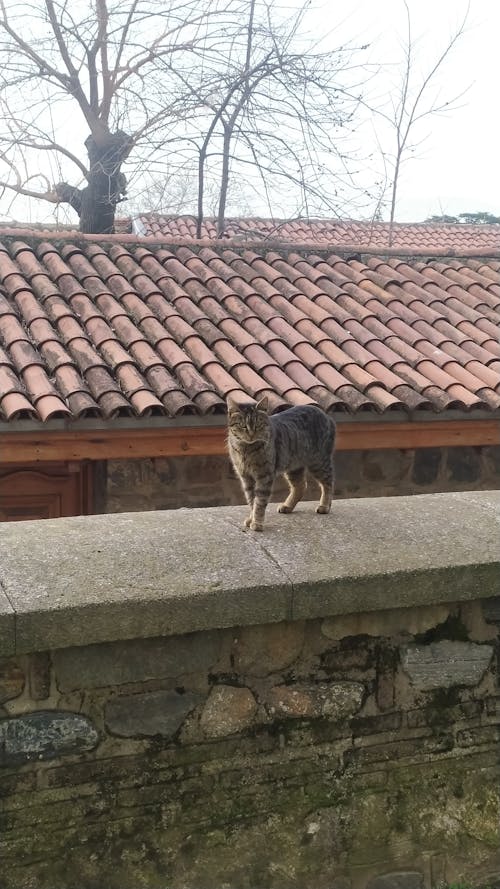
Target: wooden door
<point>44,491</point>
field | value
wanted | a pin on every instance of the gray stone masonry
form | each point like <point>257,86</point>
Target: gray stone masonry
<point>258,756</point>
<point>84,580</point>
<point>183,704</point>
<point>176,482</point>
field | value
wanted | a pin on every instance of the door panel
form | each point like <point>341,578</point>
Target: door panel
<point>43,491</point>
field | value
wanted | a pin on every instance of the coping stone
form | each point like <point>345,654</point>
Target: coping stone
<point>389,552</point>
<point>88,579</point>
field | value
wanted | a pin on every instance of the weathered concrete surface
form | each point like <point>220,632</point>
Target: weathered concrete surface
<point>389,552</point>
<point>100,578</point>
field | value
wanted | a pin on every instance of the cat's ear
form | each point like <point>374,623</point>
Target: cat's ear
<point>232,407</point>
<point>263,404</point>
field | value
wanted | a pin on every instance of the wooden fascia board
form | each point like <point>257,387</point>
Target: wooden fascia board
<point>21,447</point>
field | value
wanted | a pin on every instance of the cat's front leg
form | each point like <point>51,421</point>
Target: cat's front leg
<point>262,497</point>
<point>248,484</point>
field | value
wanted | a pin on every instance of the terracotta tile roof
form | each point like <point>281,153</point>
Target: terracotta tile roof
<point>131,327</point>
<point>420,236</point>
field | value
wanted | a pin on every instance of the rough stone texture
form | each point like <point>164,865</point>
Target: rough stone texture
<point>266,782</point>
<point>393,622</point>
<point>464,465</point>
<point>362,775</point>
<point>446,663</point>
<point>137,660</point>
<point>39,675</point>
<point>152,713</point>
<point>228,711</point>
<point>259,651</point>
<point>426,466</point>
<point>335,701</point>
<point>175,482</point>
<point>44,735</point>
<point>387,466</point>
<point>398,880</point>
<point>11,680</point>
<point>491,609</point>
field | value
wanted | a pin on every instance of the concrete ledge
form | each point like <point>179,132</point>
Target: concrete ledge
<point>81,580</point>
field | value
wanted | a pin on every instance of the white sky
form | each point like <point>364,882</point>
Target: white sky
<point>455,167</point>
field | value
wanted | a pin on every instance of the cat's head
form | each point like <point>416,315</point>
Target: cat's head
<point>248,422</point>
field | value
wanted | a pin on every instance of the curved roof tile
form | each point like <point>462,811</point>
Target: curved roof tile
<point>134,328</point>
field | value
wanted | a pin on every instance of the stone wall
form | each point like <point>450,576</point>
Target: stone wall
<point>186,705</point>
<point>354,751</point>
<point>131,485</point>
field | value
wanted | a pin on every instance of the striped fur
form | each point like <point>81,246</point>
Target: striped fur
<point>262,446</point>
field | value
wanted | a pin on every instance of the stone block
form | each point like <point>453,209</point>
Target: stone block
<point>485,734</point>
<point>393,622</point>
<point>12,680</point>
<point>260,650</point>
<point>491,609</point>
<point>228,711</point>
<point>45,735</point>
<point>130,476</point>
<point>119,663</point>
<point>385,690</point>
<point>166,469</point>
<point>397,880</point>
<point>371,725</point>
<point>491,456</point>
<point>387,466</point>
<point>39,675</point>
<point>444,664</point>
<point>358,655</point>
<point>493,706</point>
<point>334,700</point>
<point>463,464</point>
<point>148,714</point>
<point>426,465</point>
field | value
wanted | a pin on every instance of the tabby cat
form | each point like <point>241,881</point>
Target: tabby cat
<point>290,442</point>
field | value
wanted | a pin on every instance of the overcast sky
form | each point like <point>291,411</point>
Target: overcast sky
<point>455,167</point>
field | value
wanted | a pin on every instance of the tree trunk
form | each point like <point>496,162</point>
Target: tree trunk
<point>106,184</point>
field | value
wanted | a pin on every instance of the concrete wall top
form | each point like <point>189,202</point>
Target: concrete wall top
<point>77,581</point>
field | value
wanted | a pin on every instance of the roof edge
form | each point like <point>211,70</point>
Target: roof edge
<point>258,244</point>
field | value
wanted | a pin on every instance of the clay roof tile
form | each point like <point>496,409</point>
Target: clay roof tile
<point>124,327</point>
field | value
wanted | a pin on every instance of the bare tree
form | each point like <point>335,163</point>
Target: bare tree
<point>210,92</point>
<point>281,117</point>
<point>409,107</point>
<point>114,69</point>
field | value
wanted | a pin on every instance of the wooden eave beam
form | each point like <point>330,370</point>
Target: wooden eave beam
<point>33,446</point>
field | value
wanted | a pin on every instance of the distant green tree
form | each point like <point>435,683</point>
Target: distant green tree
<point>480,218</point>
<point>442,219</point>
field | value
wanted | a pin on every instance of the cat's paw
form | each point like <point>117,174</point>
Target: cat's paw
<point>256,526</point>
<point>284,508</point>
<point>323,510</point>
<point>247,522</point>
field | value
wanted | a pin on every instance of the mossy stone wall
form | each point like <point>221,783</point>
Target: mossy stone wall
<point>338,753</point>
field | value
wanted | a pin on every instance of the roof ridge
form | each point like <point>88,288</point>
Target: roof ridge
<point>280,244</point>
